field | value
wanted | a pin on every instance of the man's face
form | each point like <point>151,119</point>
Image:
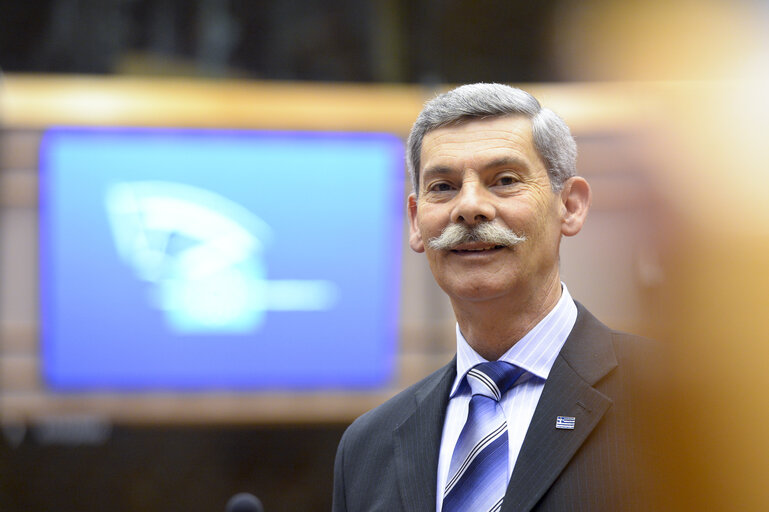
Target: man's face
<point>488,171</point>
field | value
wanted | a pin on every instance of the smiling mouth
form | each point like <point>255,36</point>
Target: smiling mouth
<point>465,250</point>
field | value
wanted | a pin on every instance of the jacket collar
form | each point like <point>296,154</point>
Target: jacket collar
<point>586,357</point>
<point>417,441</point>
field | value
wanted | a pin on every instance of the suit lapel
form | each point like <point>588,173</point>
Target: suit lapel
<point>417,443</point>
<point>587,356</point>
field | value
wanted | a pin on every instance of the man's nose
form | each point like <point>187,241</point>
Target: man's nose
<point>473,205</point>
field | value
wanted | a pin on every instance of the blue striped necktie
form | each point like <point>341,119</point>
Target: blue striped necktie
<point>478,470</point>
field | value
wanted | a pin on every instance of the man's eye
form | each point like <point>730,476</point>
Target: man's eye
<point>506,180</point>
<point>440,187</point>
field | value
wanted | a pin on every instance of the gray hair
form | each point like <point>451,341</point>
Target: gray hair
<point>552,138</point>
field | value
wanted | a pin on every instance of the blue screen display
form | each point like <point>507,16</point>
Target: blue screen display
<point>212,259</point>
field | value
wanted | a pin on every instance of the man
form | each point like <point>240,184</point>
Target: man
<point>495,188</point>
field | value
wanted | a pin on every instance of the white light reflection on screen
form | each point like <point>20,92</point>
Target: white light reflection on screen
<point>203,255</point>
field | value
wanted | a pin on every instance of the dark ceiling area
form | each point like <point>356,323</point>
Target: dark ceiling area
<point>403,41</point>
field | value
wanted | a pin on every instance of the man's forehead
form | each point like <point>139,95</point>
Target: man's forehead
<point>491,137</point>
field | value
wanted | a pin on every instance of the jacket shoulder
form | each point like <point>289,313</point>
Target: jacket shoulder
<point>391,413</point>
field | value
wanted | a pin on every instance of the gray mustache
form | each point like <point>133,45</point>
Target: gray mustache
<point>485,232</point>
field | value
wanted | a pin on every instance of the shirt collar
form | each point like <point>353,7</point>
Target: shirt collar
<point>535,352</point>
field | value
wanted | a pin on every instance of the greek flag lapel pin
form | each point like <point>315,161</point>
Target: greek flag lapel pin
<point>565,422</point>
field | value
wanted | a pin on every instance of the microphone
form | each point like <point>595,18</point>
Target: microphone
<point>244,502</point>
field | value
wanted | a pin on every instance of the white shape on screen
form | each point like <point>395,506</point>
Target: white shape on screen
<point>203,254</point>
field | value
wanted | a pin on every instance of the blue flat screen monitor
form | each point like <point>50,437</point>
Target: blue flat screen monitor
<point>229,260</point>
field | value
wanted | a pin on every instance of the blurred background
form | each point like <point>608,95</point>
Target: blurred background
<point>667,101</point>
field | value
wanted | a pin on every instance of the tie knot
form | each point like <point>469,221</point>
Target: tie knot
<point>493,379</point>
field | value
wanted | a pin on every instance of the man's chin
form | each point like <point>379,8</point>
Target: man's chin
<point>475,291</point>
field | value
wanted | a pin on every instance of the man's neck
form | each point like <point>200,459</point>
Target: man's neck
<point>491,327</point>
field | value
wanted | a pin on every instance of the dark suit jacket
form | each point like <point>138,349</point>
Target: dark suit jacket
<point>387,459</point>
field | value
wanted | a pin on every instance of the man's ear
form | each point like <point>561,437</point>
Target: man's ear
<point>415,235</point>
<point>575,197</point>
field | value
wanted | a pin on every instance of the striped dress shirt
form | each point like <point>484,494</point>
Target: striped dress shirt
<point>535,352</point>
